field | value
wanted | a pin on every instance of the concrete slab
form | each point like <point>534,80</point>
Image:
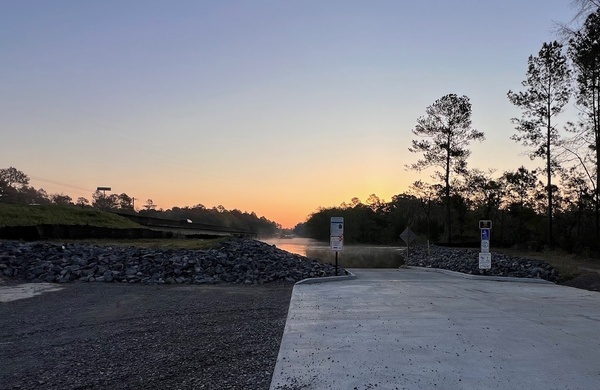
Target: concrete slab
<point>25,290</point>
<point>413,329</point>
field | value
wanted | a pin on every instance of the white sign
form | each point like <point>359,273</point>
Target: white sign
<point>337,233</point>
<point>485,246</point>
<point>337,226</point>
<point>337,243</point>
<point>485,260</point>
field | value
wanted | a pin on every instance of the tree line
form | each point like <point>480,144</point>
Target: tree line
<point>15,188</point>
<point>515,201</point>
<point>555,205</point>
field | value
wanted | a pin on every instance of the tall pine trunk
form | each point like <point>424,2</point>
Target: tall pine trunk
<point>549,169</point>
<point>596,116</point>
<point>447,196</point>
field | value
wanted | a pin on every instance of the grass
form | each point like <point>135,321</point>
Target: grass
<point>191,244</point>
<point>568,265</point>
<point>359,256</point>
<point>24,215</point>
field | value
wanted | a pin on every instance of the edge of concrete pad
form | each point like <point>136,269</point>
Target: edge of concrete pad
<point>14,292</point>
<point>483,277</point>
<point>326,279</point>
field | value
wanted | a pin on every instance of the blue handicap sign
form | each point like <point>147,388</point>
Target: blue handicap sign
<point>485,234</point>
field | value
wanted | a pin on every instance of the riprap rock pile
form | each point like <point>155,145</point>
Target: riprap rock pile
<point>467,261</point>
<point>236,261</point>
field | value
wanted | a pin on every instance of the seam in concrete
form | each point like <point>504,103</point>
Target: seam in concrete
<point>325,279</point>
<point>484,277</point>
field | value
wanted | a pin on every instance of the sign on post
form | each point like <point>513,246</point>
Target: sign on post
<point>407,236</point>
<point>485,261</point>
<point>337,243</point>
<point>485,240</point>
<point>337,227</point>
<point>336,237</point>
<point>485,246</point>
<point>485,257</point>
<point>485,234</point>
<point>485,224</point>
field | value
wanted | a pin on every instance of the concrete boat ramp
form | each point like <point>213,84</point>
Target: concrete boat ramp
<point>417,329</point>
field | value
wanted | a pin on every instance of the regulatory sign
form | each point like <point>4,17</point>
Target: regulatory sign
<point>485,234</point>
<point>485,224</point>
<point>485,260</point>
<point>337,233</point>
<point>337,226</point>
<point>407,235</point>
<point>337,243</point>
<point>485,246</point>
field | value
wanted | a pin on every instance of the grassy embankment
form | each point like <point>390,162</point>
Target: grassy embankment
<point>568,265</point>
<point>24,215</point>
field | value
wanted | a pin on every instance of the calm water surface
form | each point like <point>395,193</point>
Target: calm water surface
<point>353,256</point>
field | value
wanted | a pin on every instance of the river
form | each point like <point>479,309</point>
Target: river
<point>352,256</point>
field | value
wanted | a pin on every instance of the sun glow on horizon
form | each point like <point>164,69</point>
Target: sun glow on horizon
<point>242,105</point>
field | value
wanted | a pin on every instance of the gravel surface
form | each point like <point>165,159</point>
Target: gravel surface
<point>586,280</point>
<point>126,336</point>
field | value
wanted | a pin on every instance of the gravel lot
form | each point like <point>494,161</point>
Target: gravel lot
<point>124,336</point>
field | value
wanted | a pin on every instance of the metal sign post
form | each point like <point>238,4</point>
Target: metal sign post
<point>485,257</point>
<point>336,237</point>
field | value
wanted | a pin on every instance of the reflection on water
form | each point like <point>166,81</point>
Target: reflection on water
<point>295,245</point>
<point>353,256</point>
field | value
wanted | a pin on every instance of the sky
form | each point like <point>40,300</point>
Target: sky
<point>277,107</point>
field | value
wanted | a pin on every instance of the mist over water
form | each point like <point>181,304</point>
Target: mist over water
<point>296,245</point>
<point>353,256</point>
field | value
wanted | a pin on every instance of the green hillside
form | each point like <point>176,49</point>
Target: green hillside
<point>24,215</point>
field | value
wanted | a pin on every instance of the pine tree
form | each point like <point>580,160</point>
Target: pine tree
<point>547,91</point>
<point>447,132</point>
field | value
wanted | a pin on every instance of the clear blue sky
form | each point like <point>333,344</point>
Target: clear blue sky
<point>276,107</point>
